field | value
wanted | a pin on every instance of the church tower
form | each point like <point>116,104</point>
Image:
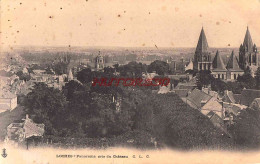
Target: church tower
<point>202,57</point>
<point>99,63</point>
<point>248,52</point>
<point>70,75</point>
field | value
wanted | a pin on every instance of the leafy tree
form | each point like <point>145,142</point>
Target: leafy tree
<point>71,87</point>
<point>132,69</point>
<point>246,80</point>
<point>60,68</point>
<point>160,67</point>
<point>19,73</point>
<point>235,87</point>
<point>257,78</point>
<point>218,85</point>
<point>204,78</point>
<point>246,129</point>
<point>181,127</point>
<point>22,76</point>
<point>46,105</point>
<point>109,70</point>
<point>85,75</point>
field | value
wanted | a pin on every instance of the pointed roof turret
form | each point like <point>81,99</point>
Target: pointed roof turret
<point>248,43</point>
<point>233,63</point>
<point>202,45</point>
<point>218,63</point>
<point>70,75</point>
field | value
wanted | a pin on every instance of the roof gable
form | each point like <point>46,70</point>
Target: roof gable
<point>196,96</point>
<point>212,105</point>
<point>32,129</point>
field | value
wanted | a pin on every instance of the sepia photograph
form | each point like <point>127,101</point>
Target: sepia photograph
<point>129,81</point>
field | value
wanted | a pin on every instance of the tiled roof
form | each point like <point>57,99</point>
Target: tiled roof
<point>212,105</point>
<point>163,90</point>
<point>248,96</point>
<point>184,86</point>
<point>181,92</point>
<point>196,96</point>
<point>7,94</point>
<point>32,129</point>
<point>229,97</point>
<point>218,64</point>
<point>216,120</point>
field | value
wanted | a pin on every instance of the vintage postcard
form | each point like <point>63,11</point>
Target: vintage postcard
<point>129,81</point>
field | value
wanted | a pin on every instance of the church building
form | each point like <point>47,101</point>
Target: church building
<point>99,63</point>
<point>248,54</point>
<point>248,57</point>
<point>202,57</point>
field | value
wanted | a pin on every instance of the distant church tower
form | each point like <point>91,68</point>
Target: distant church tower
<point>70,75</point>
<point>248,52</point>
<point>99,63</point>
<point>202,57</point>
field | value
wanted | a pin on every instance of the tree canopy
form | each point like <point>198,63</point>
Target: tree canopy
<point>160,67</point>
<point>246,129</point>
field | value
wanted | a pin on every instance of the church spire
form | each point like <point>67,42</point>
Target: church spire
<point>248,43</point>
<point>233,62</point>
<point>218,63</point>
<point>70,75</point>
<point>202,45</point>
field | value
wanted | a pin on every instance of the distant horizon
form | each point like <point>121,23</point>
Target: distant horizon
<point>82,49</point>
<point>123,47</point>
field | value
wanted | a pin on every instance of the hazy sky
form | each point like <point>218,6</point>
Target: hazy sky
<point>128,23</point>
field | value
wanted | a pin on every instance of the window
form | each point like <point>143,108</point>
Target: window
<point>219,76</point>
<point>235,76</point>
<point>222,76</point>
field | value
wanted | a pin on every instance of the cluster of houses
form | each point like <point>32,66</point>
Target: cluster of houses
<point>19,132</point>
<point>11,85</point>
<point>220,109</point>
